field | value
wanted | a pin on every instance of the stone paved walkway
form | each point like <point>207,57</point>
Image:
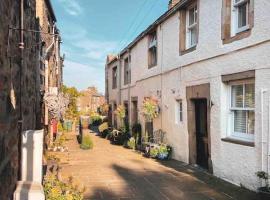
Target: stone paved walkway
<point>112,172</point>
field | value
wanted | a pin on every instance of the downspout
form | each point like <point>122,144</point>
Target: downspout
<point>20,121</point>
<point>161,77</point>
<point>47,76</point>
<point>119,82</point>
<point>129,98</point>
<point>268,143</point>
<point>263,91</point>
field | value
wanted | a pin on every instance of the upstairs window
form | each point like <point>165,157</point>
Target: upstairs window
<point>240,15</point>
<point>243,110</point>
<point>152,50</point>
<point>237,19</point>
<point>189,25</point>
<point>127,70</point>
<point>114,77</point>
<point>191,39</point>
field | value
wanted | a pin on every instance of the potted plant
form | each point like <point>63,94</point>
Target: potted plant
<point>265,190</point>
<point>132,143</point>
<point>150,109</point>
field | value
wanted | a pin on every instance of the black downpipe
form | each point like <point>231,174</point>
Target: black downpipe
<point>20,121</point>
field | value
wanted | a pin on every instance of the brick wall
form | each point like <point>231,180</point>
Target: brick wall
<point>10,97</point>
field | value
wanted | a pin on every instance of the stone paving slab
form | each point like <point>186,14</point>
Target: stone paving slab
<point>111,172</point>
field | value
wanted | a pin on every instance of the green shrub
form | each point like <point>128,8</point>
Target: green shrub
<point>87,142</point>
<point>154,152</point>
<point>95,120</point>
<point>131,143</point>
<point>55,189</point>
<point>103,127</point>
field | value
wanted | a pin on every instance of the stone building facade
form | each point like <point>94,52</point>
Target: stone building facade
<point>90,100</point>
<point>51,63</point>
<point>19,87</point>
<point>207,64</point>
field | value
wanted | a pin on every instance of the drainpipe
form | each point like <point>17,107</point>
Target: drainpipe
<point>263,91</point>
<point>129,97</point>
<point>268,143</point>
<point>119,82</point>
<point>20,121</point>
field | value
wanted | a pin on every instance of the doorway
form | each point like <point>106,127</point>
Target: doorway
<point>201,132</point>
<point>198,114</point>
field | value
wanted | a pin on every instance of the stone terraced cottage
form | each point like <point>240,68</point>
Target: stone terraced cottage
<point>207,63</point>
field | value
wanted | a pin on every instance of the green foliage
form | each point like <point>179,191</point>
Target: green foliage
<point>95,119</point>
<point>154,152</point>
<point>87,143</point>
<point>60,127</point>
<point>132,143</point>
<point>103,127</point>
<point>150,109</point>
<point>73,94</point>
<point>104,109</point>
<point>264,176</point>
<point>55,189</point>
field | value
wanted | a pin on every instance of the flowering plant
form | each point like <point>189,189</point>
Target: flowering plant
<point>150,108</point>
<point>104,109</point>
<point>120,111</point>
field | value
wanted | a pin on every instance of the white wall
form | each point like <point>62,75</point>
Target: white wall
<point>210,60</point>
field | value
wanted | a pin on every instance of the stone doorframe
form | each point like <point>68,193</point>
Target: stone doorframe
<point>193,93</point>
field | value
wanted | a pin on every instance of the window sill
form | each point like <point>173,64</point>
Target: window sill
<point>238,141</point>
<point>183,52</point>
<point>240,35</point>
<point>152,66</point>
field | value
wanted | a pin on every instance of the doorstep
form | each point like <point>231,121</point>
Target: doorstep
<point>27,190</point>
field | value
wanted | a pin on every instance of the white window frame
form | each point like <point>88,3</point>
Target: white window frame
<point>179,111</point>
<point>235,15</point>
<point>231,133</point>
<point>189,27</point>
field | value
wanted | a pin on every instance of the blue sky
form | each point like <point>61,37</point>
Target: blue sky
<point>91,29</point>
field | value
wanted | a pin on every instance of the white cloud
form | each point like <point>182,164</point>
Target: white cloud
<point>72,7</point>
<point>82,76</point>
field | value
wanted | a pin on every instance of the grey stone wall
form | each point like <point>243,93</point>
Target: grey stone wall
<point>11,102</point>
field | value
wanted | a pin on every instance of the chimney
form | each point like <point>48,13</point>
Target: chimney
<point>172,3</point>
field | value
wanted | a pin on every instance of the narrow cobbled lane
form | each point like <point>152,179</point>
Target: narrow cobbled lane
<point>113,172</point>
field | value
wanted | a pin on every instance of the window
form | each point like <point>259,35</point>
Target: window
<point>127,76</point>
<point>191,39</point>
<point>242,110</point>
<point>240,15</point>
<point>152,50</point>
<point>178,111</point>
<point>189,22</point>
<point>237,19</point>
<point>114,78</point>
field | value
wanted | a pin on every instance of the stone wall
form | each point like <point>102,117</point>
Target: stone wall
<point>12,101</point>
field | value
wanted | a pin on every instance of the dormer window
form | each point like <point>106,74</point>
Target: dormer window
<point>152,50</point>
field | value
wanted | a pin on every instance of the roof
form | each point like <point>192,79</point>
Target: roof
<point>150,28</point>
<point>49,5</point>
